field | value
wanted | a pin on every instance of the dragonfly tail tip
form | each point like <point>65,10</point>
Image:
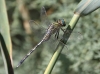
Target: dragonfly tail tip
<point>18,65</point>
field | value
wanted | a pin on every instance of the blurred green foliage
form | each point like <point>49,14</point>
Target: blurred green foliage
<point>82,56</point>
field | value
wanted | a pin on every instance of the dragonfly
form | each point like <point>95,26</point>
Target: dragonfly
<point>53,28</point>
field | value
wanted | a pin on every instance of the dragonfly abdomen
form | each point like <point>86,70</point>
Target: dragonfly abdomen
<point>51,30</point>
<point>46,37</point>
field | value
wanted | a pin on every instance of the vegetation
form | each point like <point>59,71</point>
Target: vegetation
<point>81,56</point>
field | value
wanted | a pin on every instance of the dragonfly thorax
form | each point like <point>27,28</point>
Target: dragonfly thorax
<point>61,22</point>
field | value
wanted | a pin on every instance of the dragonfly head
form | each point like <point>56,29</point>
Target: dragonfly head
<point>61,22</point>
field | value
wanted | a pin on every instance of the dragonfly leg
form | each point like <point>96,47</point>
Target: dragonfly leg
<point>63,29</point>
<point>62,43</point>
<point>68,31</point>
<point>57,34</point>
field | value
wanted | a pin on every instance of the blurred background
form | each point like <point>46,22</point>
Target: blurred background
<point>81,56</point>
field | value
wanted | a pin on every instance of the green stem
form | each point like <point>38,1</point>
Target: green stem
<point>61,45</point>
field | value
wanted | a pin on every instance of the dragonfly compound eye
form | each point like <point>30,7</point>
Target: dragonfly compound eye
<point>63,22</point>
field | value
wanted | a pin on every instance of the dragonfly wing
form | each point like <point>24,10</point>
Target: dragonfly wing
<point>43,16</point>
<point>33,23</point>
<point>37,30</point>
<point>74,35</point>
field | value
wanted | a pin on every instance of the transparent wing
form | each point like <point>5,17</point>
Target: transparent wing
<point>37,30</point>
<point>44,18</point>
<point>33,24</point>
<point>73,37</point>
